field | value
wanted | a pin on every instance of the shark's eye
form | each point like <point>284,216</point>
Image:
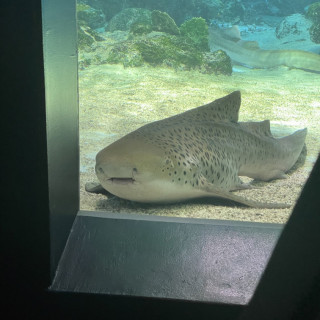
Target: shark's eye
<point>135,170</point>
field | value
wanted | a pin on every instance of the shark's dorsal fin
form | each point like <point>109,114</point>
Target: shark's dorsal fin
<point>261,128</point>
<point>223,109</point>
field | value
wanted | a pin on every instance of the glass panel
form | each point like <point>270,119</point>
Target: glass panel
<point>144,61</point>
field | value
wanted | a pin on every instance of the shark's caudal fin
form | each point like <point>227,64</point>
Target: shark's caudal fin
<point>295,141</point>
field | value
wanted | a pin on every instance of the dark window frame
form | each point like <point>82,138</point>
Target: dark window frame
<point>60,64</point>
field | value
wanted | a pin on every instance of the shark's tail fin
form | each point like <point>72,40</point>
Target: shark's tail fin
<point>293,145</point>
<point>295,140</point>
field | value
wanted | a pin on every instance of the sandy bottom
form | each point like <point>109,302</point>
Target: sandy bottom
<point>115,101</point>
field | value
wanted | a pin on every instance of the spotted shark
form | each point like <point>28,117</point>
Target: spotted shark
<point>248,53</point>
<point>198,153</point>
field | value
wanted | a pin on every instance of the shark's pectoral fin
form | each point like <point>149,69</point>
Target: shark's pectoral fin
<point>94,187</point>
<point>241,185</point>
<point>272,175</point>
<point>282,175</point>
<point>216,192</point>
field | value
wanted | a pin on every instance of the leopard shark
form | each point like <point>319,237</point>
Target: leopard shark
<point>198,153</point>
<point>249,54</point>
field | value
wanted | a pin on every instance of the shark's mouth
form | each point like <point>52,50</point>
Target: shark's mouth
<point>123,181</point>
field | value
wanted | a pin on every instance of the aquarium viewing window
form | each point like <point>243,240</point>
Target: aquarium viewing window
<point>149,255</point>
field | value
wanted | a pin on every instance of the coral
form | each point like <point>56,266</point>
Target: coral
<point>162,22</point>
<point>315,32</point>
<point>196,30</point>
<point>313,12</point>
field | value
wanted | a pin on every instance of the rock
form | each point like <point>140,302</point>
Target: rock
<point>89,16</point>
<point>196,30</point>
<point>233,11</point>
<point>217,62</point>
<point>295,26</point>
<point>315,32</point>
<point>162,22</point>
<point>140,28</point>
<point>124,53</point>
<point>227,10</point>
<point>284,7</point>
<point>179,10</point>
<point>169,50</point>
<point>155,49</point>
<point>313,12</point>
<point>124,19</point>
<point>87,37</point>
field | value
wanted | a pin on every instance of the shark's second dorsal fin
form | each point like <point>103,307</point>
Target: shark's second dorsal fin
<point>261,128</point>
<point>223,109</point>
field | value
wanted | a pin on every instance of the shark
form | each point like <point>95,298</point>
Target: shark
<point>198,153</point>
<point>248,53</point>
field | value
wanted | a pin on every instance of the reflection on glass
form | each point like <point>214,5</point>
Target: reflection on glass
<point>144,61</point>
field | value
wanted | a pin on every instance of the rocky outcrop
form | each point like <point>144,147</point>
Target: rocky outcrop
<point>296,26</point>
<point>143,44</point>
<point>313,14</point>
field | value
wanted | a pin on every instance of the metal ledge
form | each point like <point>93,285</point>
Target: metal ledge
<point>172,258</point>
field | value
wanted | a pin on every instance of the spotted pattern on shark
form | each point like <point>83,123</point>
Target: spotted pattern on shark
<point>199,153</point>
